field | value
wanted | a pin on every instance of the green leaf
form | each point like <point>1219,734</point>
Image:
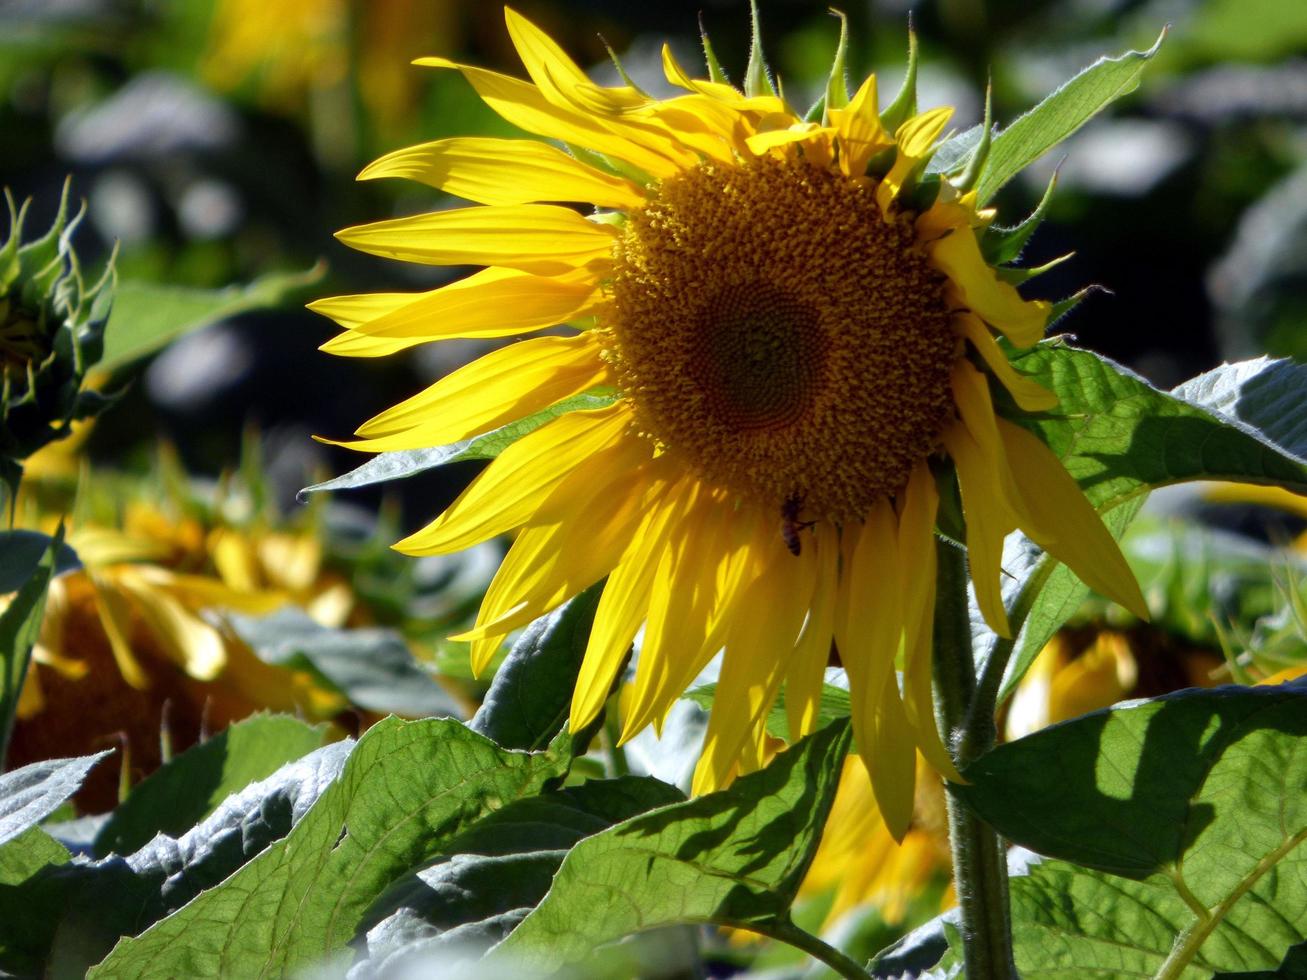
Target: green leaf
<point>1003,245</point>
<point>114,897</point>
<point>531,695</point>
<point>1197,796</point>
<point>20,625</point>
<point>372,667</point>
<point>503,863</point>
<point>1073,922</point>
<point>32,896</point>
<point>834,704</point>
<point>177,796</point>
<point>147,315</point>
<point>736,856</point>
<point>30,794</point>
<point>407,788</point>
<point>21,553</point>
<point>1058,116</point>
<point>1121,437</point>
<point>408,462</point>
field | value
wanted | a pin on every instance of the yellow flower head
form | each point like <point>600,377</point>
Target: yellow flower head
<point>796,346</point>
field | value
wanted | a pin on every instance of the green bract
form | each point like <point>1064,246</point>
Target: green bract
<point>51,334</point>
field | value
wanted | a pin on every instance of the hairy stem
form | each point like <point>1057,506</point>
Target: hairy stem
<point>979,859</point>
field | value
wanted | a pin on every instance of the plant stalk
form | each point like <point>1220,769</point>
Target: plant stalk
<point>790,934</point>
<point>979,857</point>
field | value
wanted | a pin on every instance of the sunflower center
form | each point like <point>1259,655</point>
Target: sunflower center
<point>778,333</point>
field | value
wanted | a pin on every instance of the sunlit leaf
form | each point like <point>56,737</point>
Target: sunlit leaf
<point>407,788</point>
<point>736,856</point>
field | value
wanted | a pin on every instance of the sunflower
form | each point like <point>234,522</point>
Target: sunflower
<point>797,334</point>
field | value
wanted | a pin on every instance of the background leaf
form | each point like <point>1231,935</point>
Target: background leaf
<point>1058,116</point>
<point>180,794</point>
<point>736,856</point>
<point>20,625</point>
<point>407,788</point>
<point>373,667</point>
<point>20,554</point>
<point>147,315</point>
<point>31,900</point>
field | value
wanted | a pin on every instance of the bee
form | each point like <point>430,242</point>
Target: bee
<point>791,525</point>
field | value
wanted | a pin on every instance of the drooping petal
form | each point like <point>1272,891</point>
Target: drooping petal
<point>1049,497</point>
<point>758,648</point>
<point>807,669</point>
<point>623,607</point>
<point>893,760</point>
<point>489,303</point>
<point>917,562</point>
<point>191,643</point>
<point>510,383</point>
<point>500,171</point>
<point>116,617</point>
<point>510,489</point>
<point>989,519</point>
<point>551,562</point>
<point>996,302</point>
<point>539,238</point>
<point>1030,395</point>
<point>871,627</point>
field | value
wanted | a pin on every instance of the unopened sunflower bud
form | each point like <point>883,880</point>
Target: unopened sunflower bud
<point>51,334</point>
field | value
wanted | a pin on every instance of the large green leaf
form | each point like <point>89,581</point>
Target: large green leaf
<point>736,856</point>
<point>1200,797</point>
<point>20,625</point>
<point>532,692</point>
<point>100,901</point>
<point>407,788</point>
<point>1069,921</point>
<point>147,315</point>
<point>1120,438</point>
<point>180,794</point>
<point>1058,116</point>
<point>504,863</point>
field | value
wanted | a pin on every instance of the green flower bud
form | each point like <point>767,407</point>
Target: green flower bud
<point>51,334</point>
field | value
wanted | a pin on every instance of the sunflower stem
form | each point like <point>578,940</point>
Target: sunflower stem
<point>979,858</point>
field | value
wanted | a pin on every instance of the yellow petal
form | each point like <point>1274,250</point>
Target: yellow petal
<point>893,760</point>
<point>116,617</point>
<point>540,238</point>
<point>914,140</point>
<point>525,106</point>
<point>510,489</point>
<point>191,643</point>
<point>918,564</point>
<point>489,303</point>
<point>859,129</point>
<point>807,669</point>
<point>871,625</point>
<point>506,172</point>
<point>989,519</point>
<point>622,609</point>
<point>996,302</point>
<point>510,383</point>
<point>758,649</point>
<point>1030,395</point>
<point>1051,498</point>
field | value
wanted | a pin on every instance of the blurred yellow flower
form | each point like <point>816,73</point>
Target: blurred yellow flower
<point>136,642</point>
<point>793,341</point>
